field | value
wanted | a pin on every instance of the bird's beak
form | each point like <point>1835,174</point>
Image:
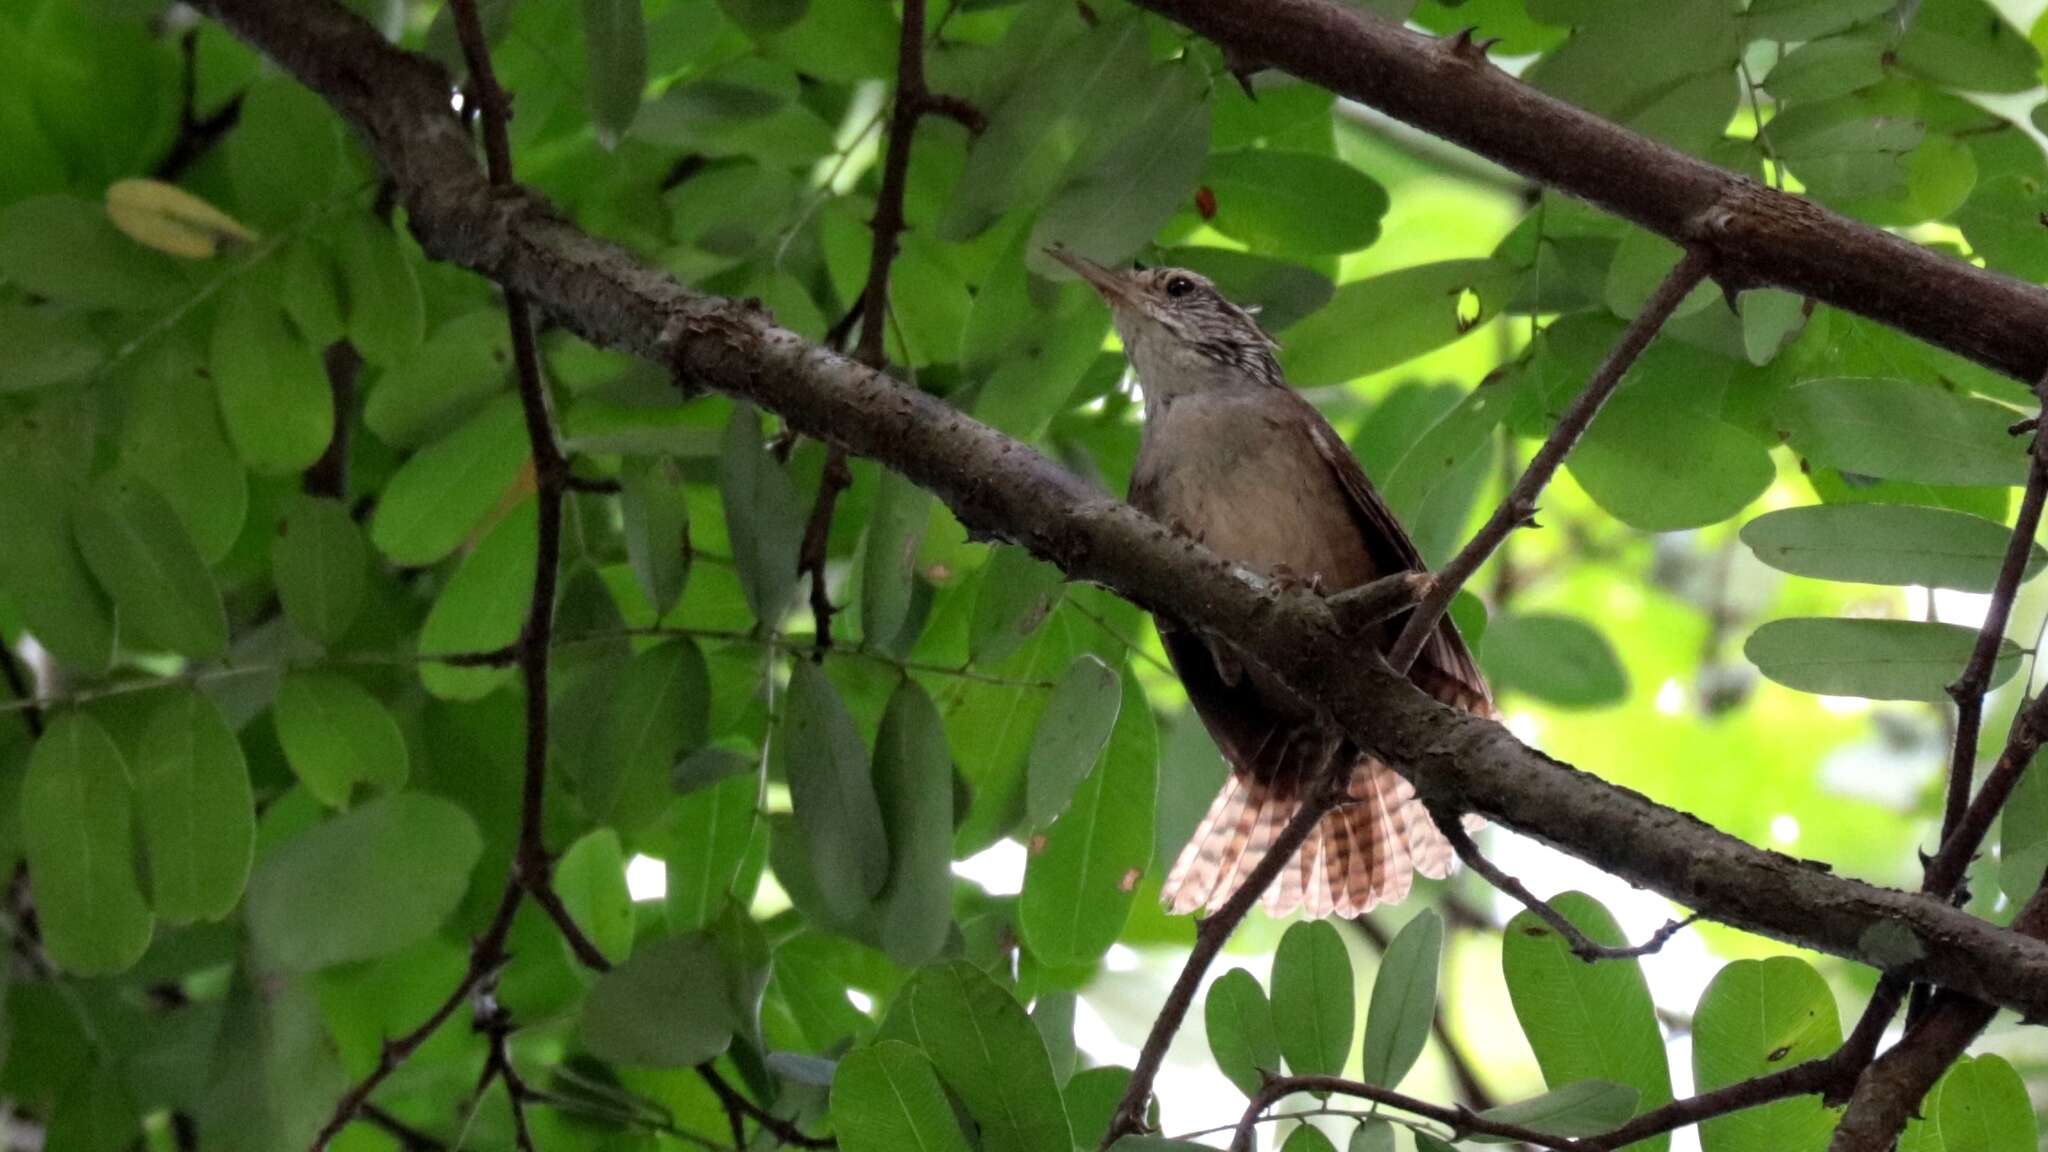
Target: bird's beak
<point>1114,286</point>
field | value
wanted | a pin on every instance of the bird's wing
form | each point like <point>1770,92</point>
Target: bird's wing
<point>1444,668</point>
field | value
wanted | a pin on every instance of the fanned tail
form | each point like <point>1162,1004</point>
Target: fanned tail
<point>1361,855</point>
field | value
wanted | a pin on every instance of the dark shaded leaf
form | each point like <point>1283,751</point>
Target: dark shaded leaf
<point>1294,203</point>
<point>192,800</point>
<point>832,792</point>
<point>141,554</point>
<point>761,517</point>
<point>78,836</point>
<point>914,780</point>
<point>1897,430</point>
<point>320,562</point>
<point>886,1098</point>
<point>664,1008</point>
<point>338,737</point>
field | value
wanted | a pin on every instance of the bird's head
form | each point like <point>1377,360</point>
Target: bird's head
<point>1180,333</point>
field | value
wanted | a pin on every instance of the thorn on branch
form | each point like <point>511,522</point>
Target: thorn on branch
<point>1469,50</point>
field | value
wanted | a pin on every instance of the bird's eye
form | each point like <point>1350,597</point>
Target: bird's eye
<point>1179,286</point>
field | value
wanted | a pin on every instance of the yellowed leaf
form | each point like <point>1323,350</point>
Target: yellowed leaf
<point>171,220</point>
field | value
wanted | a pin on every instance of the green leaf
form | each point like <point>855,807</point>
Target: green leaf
<point>141,554</point>
<point>1070,738</point>
<point>1110,209</point>
<point>1403,1001</point>
<point>1769,318</point>
<point>1885,544</point>
<point>705,839</point>
<point>66,249</point>
<point>1017,592</point>
<point>1586,1021</point>
<point>1898,430</point>
<point>1307,1138</point>
<point>1372,1136</point>
<point>437,498</point>
<point>2023,835</point>
<point>41,345</point>
<point>1083,872</point>
<point>886,1099</point>
<point>386,319</point>
<point>1966,44</point>
<point>591,879</point>
<point>274,396</point>
<point>656,513</point>
<point>1584,1108</point>
<point>1984,1107</point>
<point>913,774</point>
<point>284,155</point>
<point>660,710</point>
<point>192,797</point>
<point>1796,20</point>
<point>1389,319</point>
<point>1282,292</point>
<point>1556,659</point>
<point>78,835</point>
<point>482,607</point>
<point>664,1008</point>
<point>1294,203</point>
<point>1442,464</point>
<point>1313,999</point>
<point>312,296</point>
<point>41,568</point>
<point>615,59</point>
<point>2002,221</point>
<point>464,361</point>
<point>1662,467</point>
<point>1874,659</point>
<point>761,17</point>
<point>337,736</point>
<point>1052,1013</point>
<point>990,1054</point>
<point>1824,69</point>
<point>1756,1018</point>
<point>889,563</point>
<point>1239,1023</point>
<point>321,565</point>
<point>368,883</point>
<point>173,435</point>
<point>833,792</point>
<point>761,516</point>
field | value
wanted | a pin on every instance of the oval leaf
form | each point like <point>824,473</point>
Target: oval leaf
<point>1874,659</point>
<point>1556,659</point>
<point>139,551</point>
<point>1384,320</point>
<point>886,1098</point>
<point>1758,1017</point>
<point>1984,1107</point>
<point>990,1054</point>
<point>320,562</point>
<point>664,1008</point>
<point>1083,873</point>
<point>1313,999</point>
<point>77,829</point>
<point>914,780</point>
<point>1885,544</point>
<point>706,834</point>
<point>482,608</point>
<point>1586,1021</point>
<point>1403,1004</point>
<point>1239,1022</point>
<point>888,572</point>
<point>591,879</point>
<point>832,792</point>
<point>615,52</point>
<point>761,517</point>
<point>337,736</point>
<point>366,884</point>
<point>192,795</point>
<point>274,396</point>
<point>438,497</point>
<point>1072,733</point>
<point>1017,592</point>
<point>1899,430</point>
<point>1293,203</point>
<point>655,510</point>
<point>464,361</point>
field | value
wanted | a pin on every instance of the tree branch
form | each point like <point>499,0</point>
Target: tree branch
<point>1582,945</point>
<point>1753,236</point>
<point>1458,1120</point>
<point>1518,507</point>
<point>1001,488</point>
<point>1210,937</point>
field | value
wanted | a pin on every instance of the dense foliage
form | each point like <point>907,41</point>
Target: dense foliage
<point>268,537</point>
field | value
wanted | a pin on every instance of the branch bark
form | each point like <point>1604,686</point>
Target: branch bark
<point>1754,236</point>
<point>1004,489</point>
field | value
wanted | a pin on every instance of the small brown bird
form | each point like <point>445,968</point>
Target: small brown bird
<point>1234,457</point>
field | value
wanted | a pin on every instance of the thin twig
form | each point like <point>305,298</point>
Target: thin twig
<point>410,1139</point>
<point>736,1102</point>
<point>1210,937</point>
<point>1518,507</point>
<point>1582,945</point>
<point>197,135</point>
<point>1461,1121</point>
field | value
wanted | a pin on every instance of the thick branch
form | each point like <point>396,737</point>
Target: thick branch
<point>1001,488</point>
<point>1518,507</point>
<point>1753,236</point>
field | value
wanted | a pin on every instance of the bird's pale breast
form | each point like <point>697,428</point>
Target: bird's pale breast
<point>1241,474</point>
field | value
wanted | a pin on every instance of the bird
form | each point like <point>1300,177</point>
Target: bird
<point>1233,456</point>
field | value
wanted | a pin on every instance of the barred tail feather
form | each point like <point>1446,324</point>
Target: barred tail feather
<point>1361,855</point>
